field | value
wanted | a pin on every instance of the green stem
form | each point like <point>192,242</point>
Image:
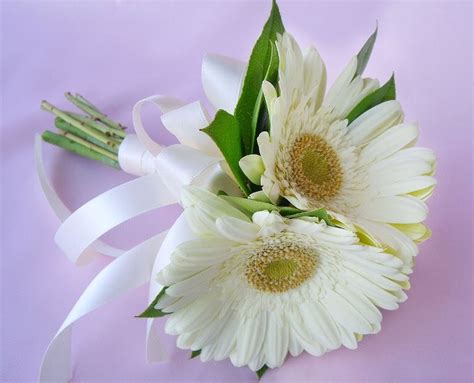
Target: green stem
<point>78,124</point>
<point>75,147</point>
<point>67,127</point>
<point>91,146</point>
<point>87,102</point>
<point>107,130</point>
<point>88,108</point>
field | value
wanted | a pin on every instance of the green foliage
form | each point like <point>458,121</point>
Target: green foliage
<point>235,135</point>
<point>319,213</point>
<point>249,206</point>
<point>263,64</point>
<point>225,132</point>
<point>262,371</point>
<point>385,93</point>
<point>364,54</point>
<point>151,311</point>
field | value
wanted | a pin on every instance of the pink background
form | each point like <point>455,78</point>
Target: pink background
<point>118,52</point>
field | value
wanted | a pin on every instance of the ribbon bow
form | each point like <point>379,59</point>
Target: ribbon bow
<point>163,172</point>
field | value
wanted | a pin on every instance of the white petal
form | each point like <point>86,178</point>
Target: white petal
<point>348,338</point>
<point>363,305</point>
<point>253,167</point>
<point>276,340</point>
<point>250,336</point>
<point>269,93</point>
<point>237,230</point>
<point>406,186</point>
<point>314,76</point>
<point>375,121</point>
<point>203,251</point>
<point>269,222</point>
<point>192,196</point>
<point>379,296</point>
<point>294,346</point>
<point>341,83</point>
<point>190,285</point>
<point>325,326</point>
<point>393,238</point>
<point>345,313</point>
<point>225,343</point>
<point>260,196</point>
<point>300,332</point>
<point>389,142</point>
<point>394,209</point>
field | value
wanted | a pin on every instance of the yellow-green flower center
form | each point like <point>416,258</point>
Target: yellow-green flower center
<point>315,169</point>
<point>278,267</point>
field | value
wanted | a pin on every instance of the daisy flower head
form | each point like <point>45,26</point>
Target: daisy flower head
<point>334,150</point>
<point>254,289</point>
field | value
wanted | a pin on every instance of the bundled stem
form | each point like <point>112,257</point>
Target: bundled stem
<point>93,135</point>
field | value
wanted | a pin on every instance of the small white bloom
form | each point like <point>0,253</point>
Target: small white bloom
<point>367,171</point>
<point>255,295</point>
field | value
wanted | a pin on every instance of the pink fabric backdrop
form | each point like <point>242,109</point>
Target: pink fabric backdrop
<point>118,52</point>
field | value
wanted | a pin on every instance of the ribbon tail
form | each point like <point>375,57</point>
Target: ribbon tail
<point>108,210</point>
<point>128,272</point>
<point>58,206</point>
<point>177,234</point>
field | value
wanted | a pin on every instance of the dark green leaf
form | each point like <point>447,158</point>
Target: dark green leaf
<point>195,353</point>
<point>364,54</point>
<point>151,311</point>
<point>261,65</point>
<point>224,130</point>
<point>385,93</point>
<point>262,371</point>
<point>249,206</point>
<point>319,213</point>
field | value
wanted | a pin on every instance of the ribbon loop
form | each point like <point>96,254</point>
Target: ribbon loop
<point>165,104</point>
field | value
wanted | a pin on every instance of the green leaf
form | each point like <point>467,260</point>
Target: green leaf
<point>261,65</point>
<point>319,213</point>
<point>385,93</point>
<point>288,210</point>
<point>151,311</point>
<point>249,206</point>
<point>262,371</point>
<point>364,54</point>
<point>225,132</point>
<point>260,118</point>
<point>195,353</point>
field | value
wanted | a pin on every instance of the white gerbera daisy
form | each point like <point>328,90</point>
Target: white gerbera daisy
<point>365,172</point>
<point>253,290</point>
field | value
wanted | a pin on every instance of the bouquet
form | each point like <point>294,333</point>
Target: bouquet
<point>302,208</point>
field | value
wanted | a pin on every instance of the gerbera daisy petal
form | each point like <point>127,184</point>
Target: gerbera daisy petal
<point>276,340</point>
<point>284,288</point>
<point>237,230</point>
<point>389,142</point>
<point>345,313</point>
<point>251,336</point>
<point>375,121</point>
<point>394,209</point>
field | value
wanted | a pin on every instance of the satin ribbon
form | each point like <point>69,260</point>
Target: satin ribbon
<point>163,172</point>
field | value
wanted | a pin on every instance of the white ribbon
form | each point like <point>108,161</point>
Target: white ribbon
<point>164,171</point>
<point>129,271</point>
<point>222,79</point>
